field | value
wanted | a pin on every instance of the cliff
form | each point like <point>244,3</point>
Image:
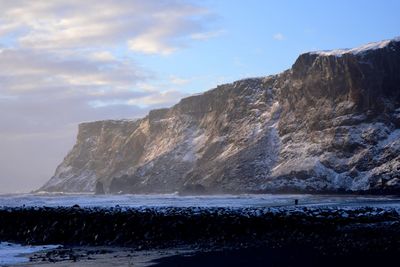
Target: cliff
<point>331,123</point>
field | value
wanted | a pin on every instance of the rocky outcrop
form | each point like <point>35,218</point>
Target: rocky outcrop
<point>329,124</point>
<point>326,229</point>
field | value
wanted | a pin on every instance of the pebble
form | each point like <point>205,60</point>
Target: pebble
<point>149,227</point>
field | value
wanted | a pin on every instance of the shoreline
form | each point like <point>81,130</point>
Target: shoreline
<point>327,193</point>
<point>222,201</point>
<point>219,257</point>
<point>100,256</point>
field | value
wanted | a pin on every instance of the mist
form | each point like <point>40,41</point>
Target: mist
<point>29,161</point>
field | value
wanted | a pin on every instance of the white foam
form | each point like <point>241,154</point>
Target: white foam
<point>13,253</point>
<point>172,200</point>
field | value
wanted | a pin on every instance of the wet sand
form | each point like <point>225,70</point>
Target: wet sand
<point>291,256</point>
<point>227,257</point>
<point>100,256</point>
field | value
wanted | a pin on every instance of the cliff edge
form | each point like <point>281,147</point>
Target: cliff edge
<point>331,123</point>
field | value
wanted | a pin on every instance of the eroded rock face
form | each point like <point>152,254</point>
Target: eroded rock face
<point>330,123</point>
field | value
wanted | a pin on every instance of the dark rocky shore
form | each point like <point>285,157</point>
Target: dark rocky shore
<point>328,230</point>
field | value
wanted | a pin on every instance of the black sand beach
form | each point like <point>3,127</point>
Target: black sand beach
<point>287,236</point>
<point>289,256</point>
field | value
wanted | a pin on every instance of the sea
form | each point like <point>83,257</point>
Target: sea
<point>174,200</point>
<point>11,253</point>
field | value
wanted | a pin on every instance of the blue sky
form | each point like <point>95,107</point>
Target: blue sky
<point>68,61</point>
<point>256,38</point>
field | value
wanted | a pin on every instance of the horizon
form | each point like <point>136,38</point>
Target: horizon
<point>67,62</point>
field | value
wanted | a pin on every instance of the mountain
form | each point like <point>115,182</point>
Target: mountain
<point>331,123</point>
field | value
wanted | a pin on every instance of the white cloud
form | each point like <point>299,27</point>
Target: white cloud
<point>178,80</point>
<point>150,44</point>
<point>206,35</point>
<point>158,99</point>
<point>103,56</point>
<point>67,61</point>
<point>27,70</point>
<point>278,36</point>
<point>158,27</point>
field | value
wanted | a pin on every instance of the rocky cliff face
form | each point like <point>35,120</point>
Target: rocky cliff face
<point>330,123</point>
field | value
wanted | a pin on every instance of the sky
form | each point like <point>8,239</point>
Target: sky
<point>67,61</point>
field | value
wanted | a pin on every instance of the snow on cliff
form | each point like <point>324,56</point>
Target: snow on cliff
<point>329,124</point>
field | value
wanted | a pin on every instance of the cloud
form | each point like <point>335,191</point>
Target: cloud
<point>39,89</point>
<point>26,70</point>
<point>278,37</point>
<point>103,56</point>
<point>63,62</point>
<point>158,27</point>
<point>178,80</point>
<point>160,99</point>
<point>151,44</point>
<point>206,35</point>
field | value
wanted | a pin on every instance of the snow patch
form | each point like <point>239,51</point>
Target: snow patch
<point>358,50</point>
<point>195,142</point>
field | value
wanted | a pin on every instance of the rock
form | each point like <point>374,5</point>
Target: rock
<point>328,124</point>
<point>99,188</point>
<point>165,226</point>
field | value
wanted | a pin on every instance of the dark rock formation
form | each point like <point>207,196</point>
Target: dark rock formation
<point>329,124</point>
<point>99,189</point>
<point>325,229</point>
